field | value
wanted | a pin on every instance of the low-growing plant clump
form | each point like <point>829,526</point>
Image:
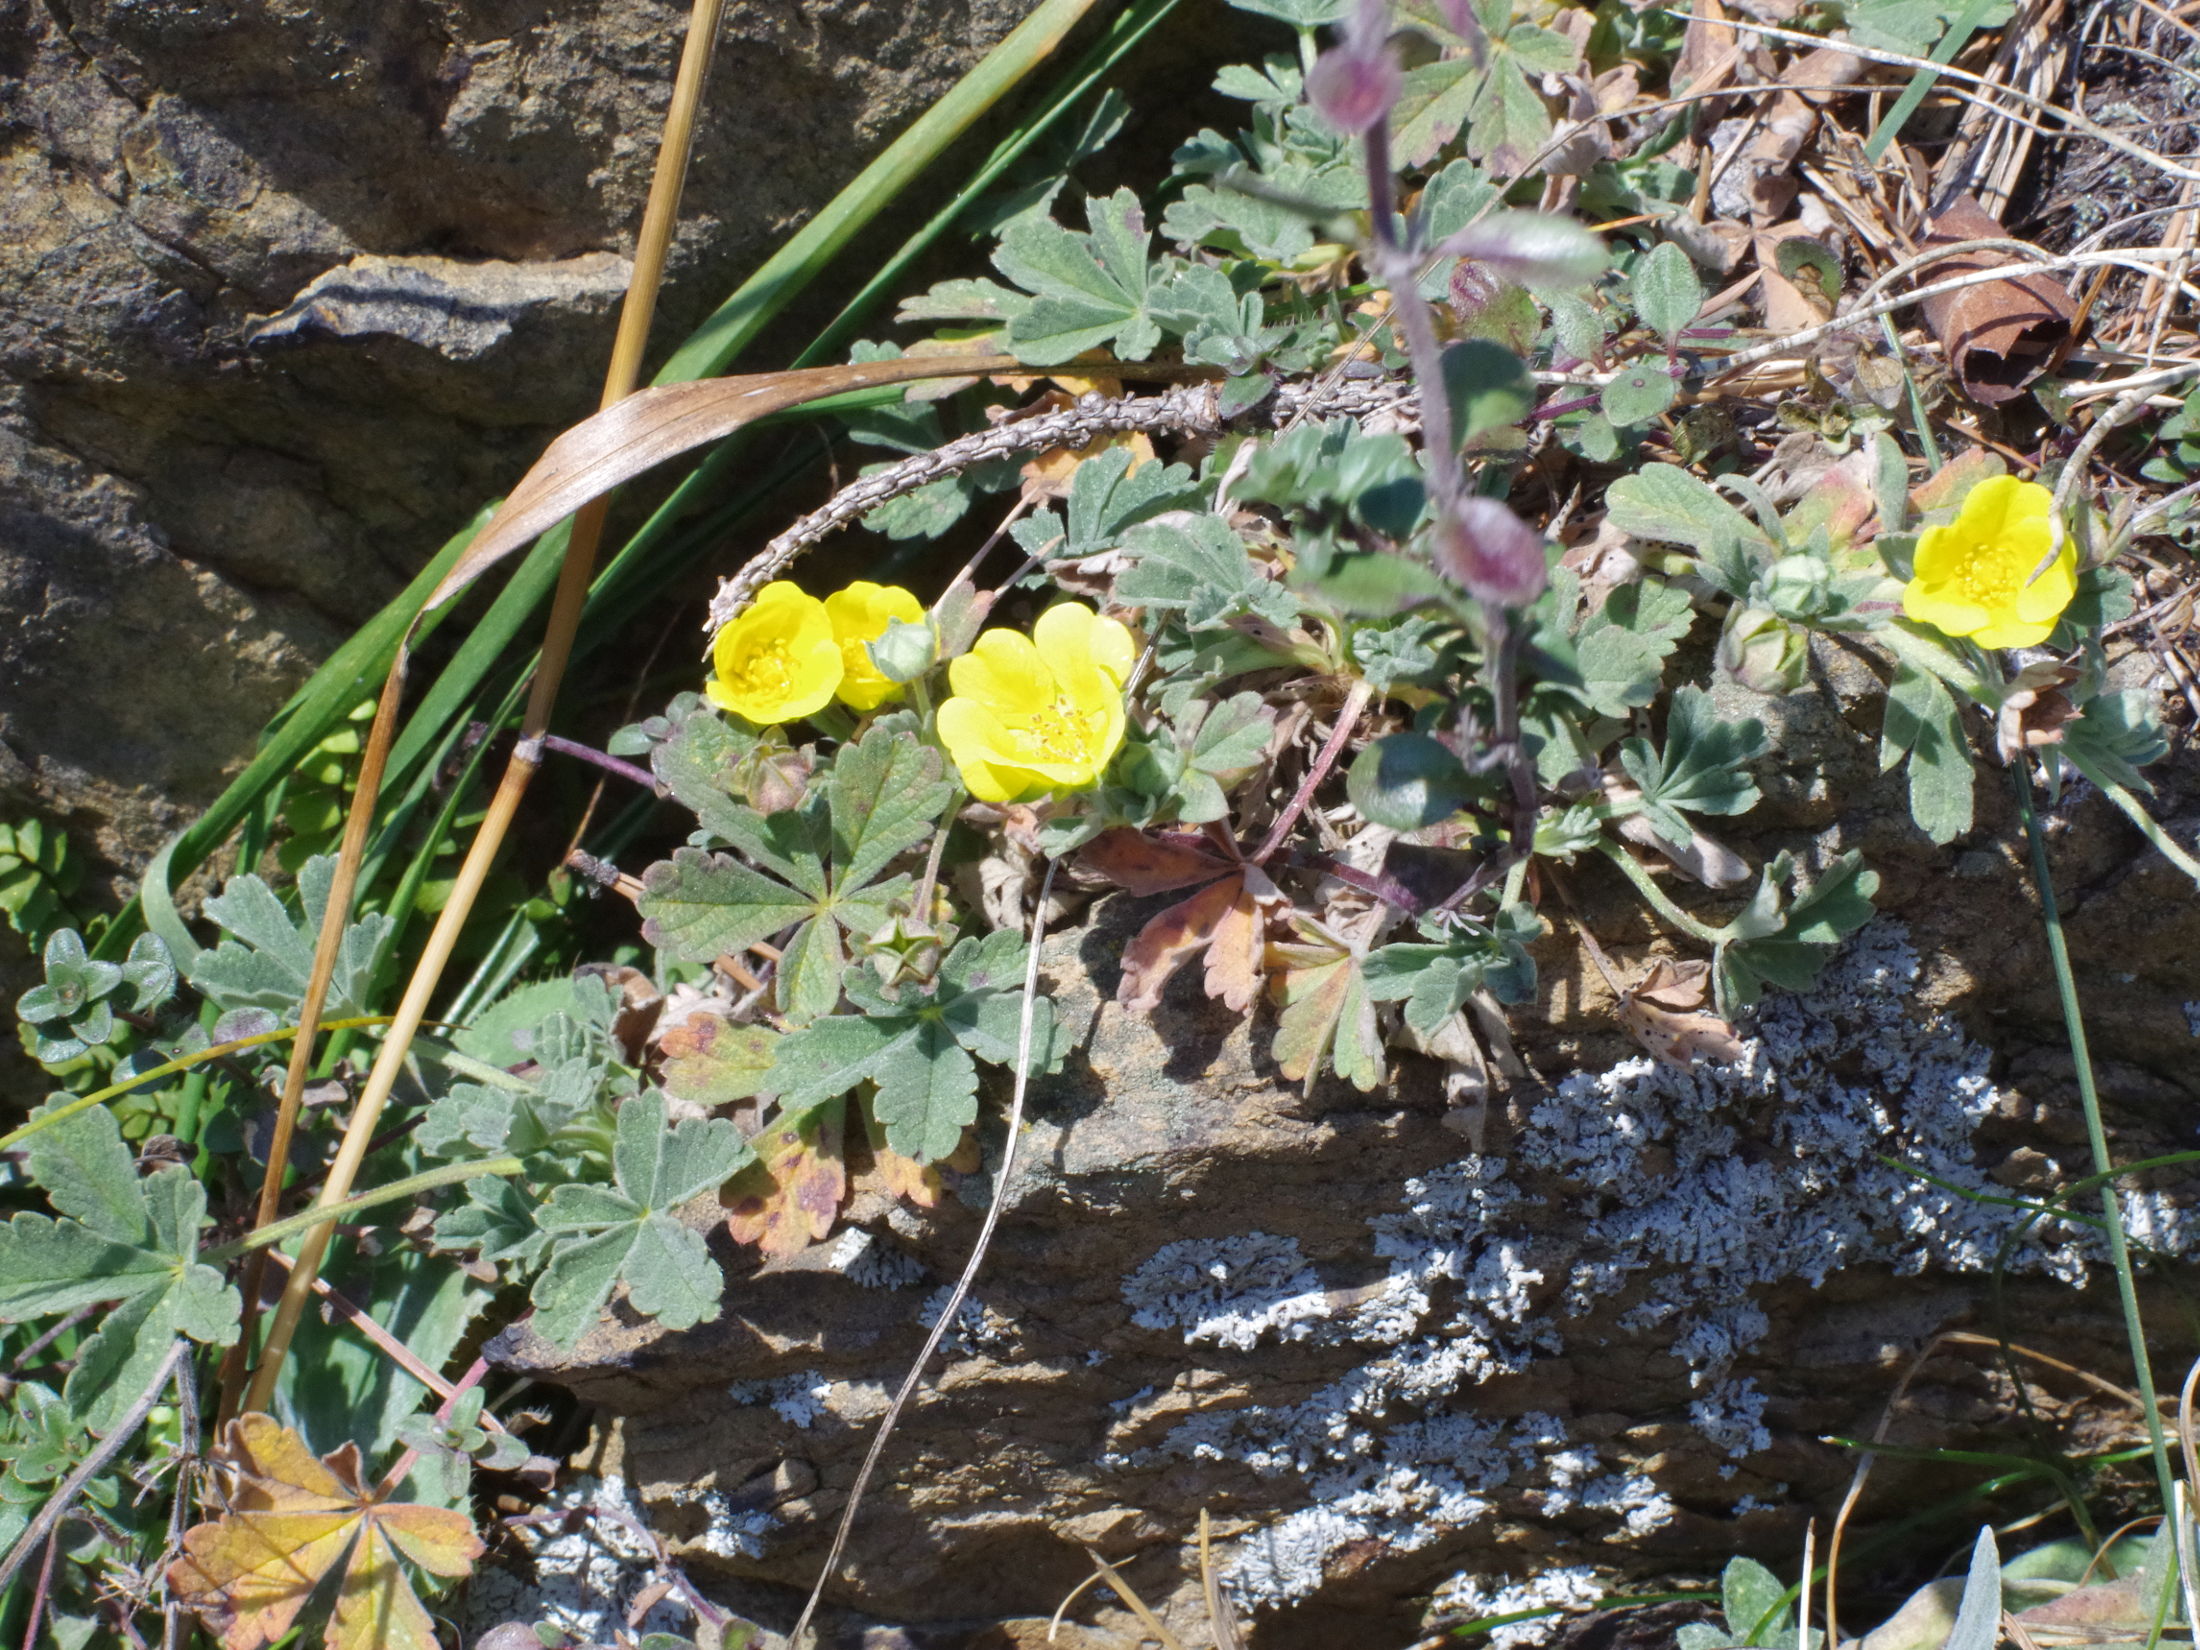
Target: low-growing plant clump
<point>1408,506</point>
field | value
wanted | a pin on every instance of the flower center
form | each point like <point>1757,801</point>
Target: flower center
<point>1062,732</point>
<point>1989,578</point>
<point>766,669</point>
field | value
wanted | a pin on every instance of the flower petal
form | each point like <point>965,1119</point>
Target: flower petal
<point>1004,670</point>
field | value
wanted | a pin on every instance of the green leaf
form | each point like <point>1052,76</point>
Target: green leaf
<point>1924,723</point>
<point>119,1239</point>
<point>1810,264</point>
<point>602,1236</point>
<point>1300,14</point>
<point>884,794</point>
<point>1490,92</point>
<point>881,799</point>
<point>1107,497</point>
<point>1666,291</point>
<point>1201,569</point>
<point>1327,1017</point>
<point>1407,782</point>
<point>1780,943</point>
<point>1488,387</point>
<point>1978,1617</point>
<point>1754,1603</point>
<point>268,958</point>
<point>1700,768</point>
<point>1665,504</point>
<point>1622,647</point>
<point>2116,736</point>
<point>917,1047</point>
<point>1637,393</point>
<point>1089,289</point>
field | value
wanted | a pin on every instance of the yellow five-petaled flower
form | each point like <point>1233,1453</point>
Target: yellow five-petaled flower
<point>789,655</point>
<point>1973,577</point>
<point>1040,713</point>
<point>860,614</point>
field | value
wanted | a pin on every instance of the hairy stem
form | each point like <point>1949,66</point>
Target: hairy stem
<point>1656,897</point>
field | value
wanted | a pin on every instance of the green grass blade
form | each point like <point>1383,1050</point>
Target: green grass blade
<point>763,295</point>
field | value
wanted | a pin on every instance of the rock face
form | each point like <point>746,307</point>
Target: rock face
<point>293,288</point>
<point>1393,1350</point>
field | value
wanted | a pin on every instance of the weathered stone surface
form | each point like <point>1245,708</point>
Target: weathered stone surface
<point>1605,1339</point>
<point>293,288</point>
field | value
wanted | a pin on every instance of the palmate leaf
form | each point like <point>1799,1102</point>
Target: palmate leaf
<point>1327,1014</point>
<point>1107,497</point>
<point>1622,647</point>
<point>1200,567</point>
<point>881,799</point>
<point>292,1519</point>
<point>1087,289</point>
<point>267,957</point>
<point>1701,767</point>
<point>1784,942</point>
<point>1504,115</point>
<point>918,1047</point>
<point>601,1236</point>
<point>119,1239</point>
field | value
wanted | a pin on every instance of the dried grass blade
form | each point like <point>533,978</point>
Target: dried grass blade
<point>643,430</point>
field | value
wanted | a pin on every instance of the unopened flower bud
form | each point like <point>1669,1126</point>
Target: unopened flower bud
<point>1762,651</point>
<point>1481,545</point>
<point>903,652</point>
<point>1352,92</point>
<point>1355,83</point>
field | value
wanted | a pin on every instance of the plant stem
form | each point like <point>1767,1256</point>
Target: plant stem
<point>1347,719</point>
<point>2135,811</point>
<point>599,759</point>
<point>620,378</point>
<point>1659,901</point>
<point>2119,1254</point>
<point>326,1214</point>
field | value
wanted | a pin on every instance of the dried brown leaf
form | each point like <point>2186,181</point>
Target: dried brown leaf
<point>1663,1013</point>
<point>1146,863</point>
<point>1999,335</point>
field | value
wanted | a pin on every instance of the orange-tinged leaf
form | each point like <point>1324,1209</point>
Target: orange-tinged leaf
<point>1170,939</point>
<point>710,1061</point>
<point>291,1519</point>
<point>896,1175</point>
<point>790,1196</point>
<point>1325,1011</point>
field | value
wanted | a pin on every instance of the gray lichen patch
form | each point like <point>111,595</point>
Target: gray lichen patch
<point>1651,1207</point>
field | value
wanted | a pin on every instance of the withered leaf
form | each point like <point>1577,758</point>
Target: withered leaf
<point>1664,1013</point>
<point>1151,862</point>
<point>1228,920</point>
<point>899,1176</point>
<point>291,1520</point>
<point>789,1198</point>
<point>648,427</point>
<point>1998,335</point>
<point>2035,710</point>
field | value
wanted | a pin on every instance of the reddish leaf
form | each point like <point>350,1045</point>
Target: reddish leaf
<point>895,1175</point>
<point>790,1196</point>
<point>1147,864</point>
<point>1228,920</point>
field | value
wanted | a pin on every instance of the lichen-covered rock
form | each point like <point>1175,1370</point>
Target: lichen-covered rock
<point>294,287</point>
<point>1608,1338</point>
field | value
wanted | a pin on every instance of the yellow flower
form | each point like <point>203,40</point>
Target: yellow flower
<point>859,614</point>
<point>1970,576</point>
<point>778,661</point>
<point>1039,713</point>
